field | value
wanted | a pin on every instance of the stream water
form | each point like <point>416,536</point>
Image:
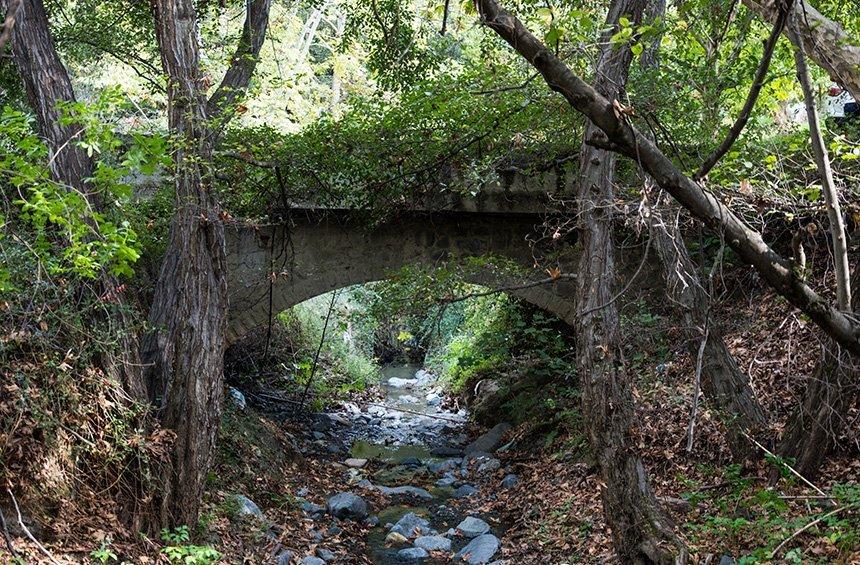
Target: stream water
<point>410,447</point>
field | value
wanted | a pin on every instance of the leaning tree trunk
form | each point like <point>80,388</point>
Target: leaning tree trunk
<point>723,382</point>
<point>47,84</point>
<point>813,428</point>
<point>189,310</point>
<point>641,532</point>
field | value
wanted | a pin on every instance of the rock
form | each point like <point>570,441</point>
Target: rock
<point>444,466</point>
<point>480,550</point>
<point>727,560</point>
<point>395,537</point>
<point>314,510</point>
<point>346,505</point>
<point>412,553</point>
<point>285,557</point>
<point>510,481</point>
<point>311,560</point>
<point>238,398</point>
<point>411,462</point>
<point>411,525</point>
<point>247,507</point>
<point>406,490</point>
<point>397,382</point>
<point>335,530</point>
<point>473,527</point>
<point>433,399</point>
<point>433,543</point>
<point>489,466</point>
<point>424,377</point>
<point>409,399</point>
<point>303,491</point>
<point>465,491</point>
<point>446,481</point>
<point>446,451</point>
<point>372,521</point>
<point>325,554</point>
<point>364,483</point>
<point>490,440</point>
<point>318,435</point>
<point>355,463</point>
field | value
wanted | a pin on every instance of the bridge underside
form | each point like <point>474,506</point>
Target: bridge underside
<point>273,268</point>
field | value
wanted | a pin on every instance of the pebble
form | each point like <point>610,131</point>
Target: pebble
<point>472,527</point>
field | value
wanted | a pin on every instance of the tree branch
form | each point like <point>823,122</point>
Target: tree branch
<point>244,60</point>
<point>758,83</point>
<point>746,242</point>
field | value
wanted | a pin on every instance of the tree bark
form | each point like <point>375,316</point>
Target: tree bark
<point>640,531</point>
<point>47,84</point>
<point>725,385</point>
<point>830,46</point>
<point>812,430</point>
<point>185,351</point>
<point>828,185</point>
<point>618,135</point>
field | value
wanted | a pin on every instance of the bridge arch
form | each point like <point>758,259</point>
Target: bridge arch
<point>321,252</point>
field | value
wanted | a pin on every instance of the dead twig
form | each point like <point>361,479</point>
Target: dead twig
<point>806,527</point>
<point>27,532</point>
<point>6,536</point>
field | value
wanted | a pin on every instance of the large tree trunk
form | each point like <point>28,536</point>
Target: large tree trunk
<point>617,134</point>
<point>830,46</point>
<point>640,531</point>
<point>185,351</point>
<point>813,428</point>
<point>47,84</point>
<point>723,382</point>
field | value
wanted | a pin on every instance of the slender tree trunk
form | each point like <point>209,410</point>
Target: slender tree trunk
<point>723,382</point>
<point>831,47</point>
<point>822,159</point>
<point>47,84</point>
<point>812,430</point>
<point>641,532</point>
<point>189,310</point>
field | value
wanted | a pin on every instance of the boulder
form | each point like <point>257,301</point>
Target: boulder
<point>464,491</point>
<point>473,527</point>
<point>411,554</point>
<point>406,491</point>
<point>238,398</point>
<point>411,525</point>
<point>480,550</point>
<point>490,440</point>
<point>433,543</point>
<point>346,505</point>
<point>247,507</point>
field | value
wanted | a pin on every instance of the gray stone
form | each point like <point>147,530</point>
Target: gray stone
<point>312,509</point>
<point>247,507</point>
<point>409,399</point>
<point>727,560</point>
<point>489,466</point>
<point>411,554</point>
<point>285,557</point>
<point>355,462</point>
<point>238,398</point>
<point>490,440</point>
<point>433,543</point>
<point>411,462</point>
<point>446,481</point>
<point>311,560</point>
<point>443,466</point>
<point>510,481</point>
<point>480,550</point>
<point>397,382</point>
<point>433,399</point>
<point>407,491</point>
<point>464,491</point>
<point>411,525</point>
<point>346,505</point>
<point>473,527</point>
<point>372,521</point>
<point>318,435</point>
<point>325,554</point>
